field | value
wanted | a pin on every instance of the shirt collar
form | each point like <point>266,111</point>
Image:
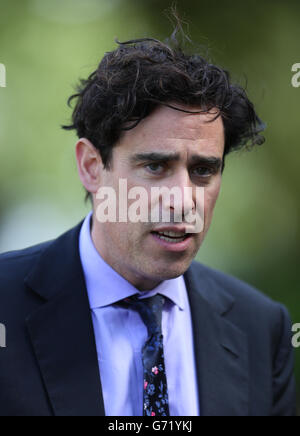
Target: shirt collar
<point>105,286</point>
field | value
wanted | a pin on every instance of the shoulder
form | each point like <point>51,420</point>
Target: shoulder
<point>237,288</point>
<point>15,265</point>
<point>256,314</point>
<point>18,258</point>
<point>24,272</point>
<point>250,305</point>
<point>15,299</point>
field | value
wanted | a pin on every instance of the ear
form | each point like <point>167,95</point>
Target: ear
<point>89,164</point>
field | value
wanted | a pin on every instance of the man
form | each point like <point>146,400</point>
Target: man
<point>115,317</point>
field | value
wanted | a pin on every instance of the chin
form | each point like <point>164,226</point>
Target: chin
<point>171,271</point>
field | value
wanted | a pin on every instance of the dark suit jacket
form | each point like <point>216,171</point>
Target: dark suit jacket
<point>242,339</point>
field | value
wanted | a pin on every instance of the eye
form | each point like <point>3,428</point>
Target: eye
<point>154,167</point>
<point>203,171</point>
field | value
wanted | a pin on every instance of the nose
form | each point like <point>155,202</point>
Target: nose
<point>183,201</point>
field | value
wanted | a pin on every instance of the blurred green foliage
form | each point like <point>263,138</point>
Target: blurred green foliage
<point>46,45</point>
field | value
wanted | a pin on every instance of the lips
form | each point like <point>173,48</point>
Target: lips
<point>172,238</point>
<point>171,233</point>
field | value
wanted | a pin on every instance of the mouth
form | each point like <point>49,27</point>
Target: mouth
<point>172,237</point>
<point>172,241</point>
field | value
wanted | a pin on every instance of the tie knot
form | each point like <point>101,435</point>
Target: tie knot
<point>150,310</point>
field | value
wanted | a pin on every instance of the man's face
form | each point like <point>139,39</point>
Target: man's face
<point>132,248</point>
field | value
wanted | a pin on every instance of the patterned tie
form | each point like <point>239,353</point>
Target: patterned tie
<point>155,382</point>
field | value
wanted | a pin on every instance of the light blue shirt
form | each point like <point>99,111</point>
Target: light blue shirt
<point>120,335</point>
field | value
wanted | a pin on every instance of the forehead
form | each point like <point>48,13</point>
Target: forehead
<point>174,129</point>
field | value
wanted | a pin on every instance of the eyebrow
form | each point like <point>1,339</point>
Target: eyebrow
<point>211,161</point>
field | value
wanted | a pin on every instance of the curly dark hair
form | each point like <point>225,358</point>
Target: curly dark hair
<point>131,81</point>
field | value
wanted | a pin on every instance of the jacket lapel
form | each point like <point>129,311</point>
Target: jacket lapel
<point>221,349</point>
<point>61,331</point>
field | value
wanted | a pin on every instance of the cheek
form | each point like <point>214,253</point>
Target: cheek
<point>126,235</point>
<point>117,232</point>
<point>210,197</point>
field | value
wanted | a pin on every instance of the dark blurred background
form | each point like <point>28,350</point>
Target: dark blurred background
<point>46,45</point>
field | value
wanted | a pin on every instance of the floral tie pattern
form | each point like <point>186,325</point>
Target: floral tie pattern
<point>156,401</point>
